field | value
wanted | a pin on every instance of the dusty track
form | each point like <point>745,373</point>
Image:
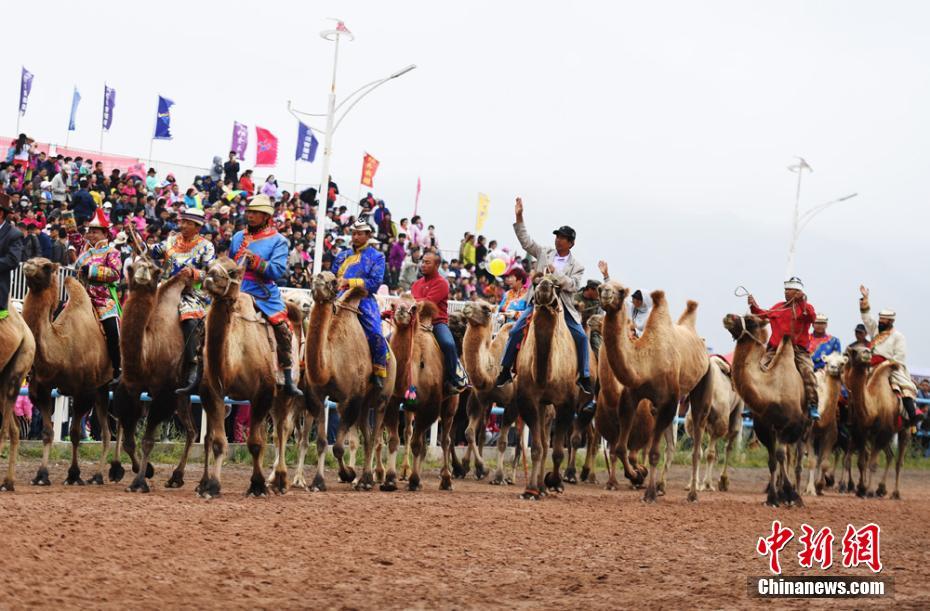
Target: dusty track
<point>478,546</point>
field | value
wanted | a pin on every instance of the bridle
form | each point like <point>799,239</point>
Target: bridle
<point>230,281</point>
<point>745,331</point>
<point>552,304</point>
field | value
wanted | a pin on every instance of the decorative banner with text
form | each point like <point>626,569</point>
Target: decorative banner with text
<point>163,119</point>
<point>109,102</point>
<point>240,139</point>
<point>484,203</point>
<point>267,144</point>
<point>25,88</point>
<point>369,167</point>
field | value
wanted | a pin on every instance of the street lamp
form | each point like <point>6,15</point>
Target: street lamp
<point>801,220</point>
<point>332,124</point>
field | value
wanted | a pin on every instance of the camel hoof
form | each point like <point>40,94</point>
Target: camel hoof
<point>116,473</point>
<point>829,480</point>
<point>257,487</point>
<point>724,484</point>
<point>570,476</point>
<point>41,478</point>
<point>530,495</point>
<point>459,471</point>
<point>299,482</point>
<point>841,488</point>
<point>209,489</point>
<point>138,485</point>
<point>587,475</point>
<point>7,486</point>
<point>390,483</point>
<point>650,495</point>
<point>149,471</point>
<point>895,496</point>
<point>318,484</point>
<point>346,475</point>
<point>881,491</point>
<point>96,479</point>
<point>279,483</point>
<point>480,471</point>
<point>414,484</point>
<point>553,482</point>
<point>365,483</point>
<point>870,494</point>
<point>660,488</point>
<point>446,483</point>
<point>497,480</point>
<point>692,496</point>
<point>176,480</point>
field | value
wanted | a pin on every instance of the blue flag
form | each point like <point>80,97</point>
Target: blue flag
<point>163,119</point>
<point>25,88</point>
<point>74,104</point>
<point>109,101</point>
<point>306,144</point>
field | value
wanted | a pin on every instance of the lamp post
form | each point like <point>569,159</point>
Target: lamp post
<point>332,123</point>
<point>801,220</point>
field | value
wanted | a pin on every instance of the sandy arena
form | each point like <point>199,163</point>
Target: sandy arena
<point>478,546</point>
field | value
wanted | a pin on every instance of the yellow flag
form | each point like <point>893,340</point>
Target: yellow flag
<point>484,202</point>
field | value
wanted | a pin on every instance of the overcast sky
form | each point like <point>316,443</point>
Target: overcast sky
<point>660,130</point>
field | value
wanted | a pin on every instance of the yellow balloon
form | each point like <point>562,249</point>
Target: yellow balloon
<point>497,267</point>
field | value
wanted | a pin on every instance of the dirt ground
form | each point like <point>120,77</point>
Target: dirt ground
<point>477,546</point>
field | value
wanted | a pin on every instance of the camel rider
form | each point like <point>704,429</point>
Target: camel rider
<point>263,252</point>
<point>11,252</point>
<point>888,344</point>
<point>363,266</point>
<point>588,302</point>
<point>100,267</point>
<point>822,343</point>
<point>433,287</point>
<point>792,317</point>
<point>189,254</point>
<point>567,272</point>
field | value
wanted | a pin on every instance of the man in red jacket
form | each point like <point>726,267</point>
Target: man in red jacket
<point>792,317</point>
<point>435,288</point>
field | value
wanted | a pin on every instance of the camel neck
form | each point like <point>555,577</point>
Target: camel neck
<point>321,320</point>
<point>137,311</point>
<point>543,328</point>
<point>619,347</point>
<point>475,353</point>
<point>217,333</point>
<point>747,372</point>
<point>402,345</point>
<point>38,307</point>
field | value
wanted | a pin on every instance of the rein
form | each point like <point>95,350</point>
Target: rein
<point>230,282</point>
<point>745,331</point>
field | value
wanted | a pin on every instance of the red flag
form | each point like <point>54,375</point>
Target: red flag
<point>267,153</point>
<point>369,167</point>
<point>416,203</point>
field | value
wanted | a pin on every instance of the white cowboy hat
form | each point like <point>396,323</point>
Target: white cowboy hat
<point>822,318</point>
<point>794,283</point>
<point>886,313</point>
<point>362,226</point>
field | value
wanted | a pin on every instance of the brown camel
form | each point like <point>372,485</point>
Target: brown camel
<point>875,420</point>
<point>151,344</point>
<point>481,357</point>
<point>546,374</point>
<point>725,421</point>
<point>612,417</point>
<point>419,367</point>
<point>823,434</point>
<point>775,397</point>
<point>338,366</point>
<point>669,362</point>
<point>75,331</point>
<point>240,364</point>
<point>17,350</point>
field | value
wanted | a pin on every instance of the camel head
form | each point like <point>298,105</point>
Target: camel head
<point>596,325</point>
<point>834,362</point>
<point>478,313</point>
<point>301,301</point>
<point>546,294</point>
<point>224,277</point>
<point>612,294</point>
<point>39,273</point>
<point>858,356</point>
<point>144,274</point>
<point>406,312</point>
<point>324,288</point>
<point>457,324</point>
<point>749,325</point>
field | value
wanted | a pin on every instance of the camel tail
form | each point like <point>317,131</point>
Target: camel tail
<point>688,318</point>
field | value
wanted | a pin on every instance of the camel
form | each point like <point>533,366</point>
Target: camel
<point>481,356</point>
<point>775,396</point>
<point>338,366</point>
<point>824,432</point>
<point>725,421</point>
<point>667,363</point>
<point>875,420</point>
<point>152,345</point>
<point>420,367</point>
<point>610,418</point>
<point>17,350</point>
<point>75,331</point>
<point>546,375</point>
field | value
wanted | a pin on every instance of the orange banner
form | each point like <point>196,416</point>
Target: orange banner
<point>369,167</point>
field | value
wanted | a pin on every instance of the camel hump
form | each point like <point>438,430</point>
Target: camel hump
<point>294,314</point>
<point>689,316</point>
<point>658,298</point>
<point>428,311</point>
<point>353,293</point>
<point>76,291</point>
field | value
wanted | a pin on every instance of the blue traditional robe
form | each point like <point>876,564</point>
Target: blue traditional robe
<point>270,264</point>
<point>365,267</point>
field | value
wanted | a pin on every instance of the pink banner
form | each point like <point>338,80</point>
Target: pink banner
<point>120,162</point>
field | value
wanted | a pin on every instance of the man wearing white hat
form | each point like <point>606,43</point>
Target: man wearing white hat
<point>263,252</point>
<point>822,343</point>
<point>793,318</point>
<point>888,344</point>
<point>189,254</point>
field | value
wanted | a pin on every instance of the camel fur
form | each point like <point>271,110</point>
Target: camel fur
<point>17,350</point>
<point>823,434</point>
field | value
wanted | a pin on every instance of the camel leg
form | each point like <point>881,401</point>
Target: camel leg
<point>182,407</point>
<point>671,435</point>
<point>367,480</point>
<point>507,421</point>
<point>302,437</point>
<point>417,445</point>
<point>349,411</point>
<point>724,483</point>
<point>160,410</point>
<point>103,416</point>
<point>214,442</point>
<point>882,490</point>
<point>128,411</point>
<point>863,464</point>
<point>574,442</point>
<point>766,436</point>
<point>700,399</point>
<point>903,438</point>
<point>710,461</point>
<point>82,406</point>
<point>563,422</point>
<point>449,406</point>
<point>474,408</point>
<point>391,422</point>
<point>612,455</point>
<point>352,441</point>
<point>590,455</point>
<point>41,397</point>
<point>521,451</point>
<point>813,464</point>
<point>261,406</point>
<point>534,421</point>
<point>408,434</point>
<point>319,408</point>
<point>8,425</point>
<point>664,417</point>
<point>282,414</point>
<point>798,464</point>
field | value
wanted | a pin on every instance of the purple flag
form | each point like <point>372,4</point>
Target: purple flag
<point>25,88</point>
<point>240,139</point>
<point>109,101</point>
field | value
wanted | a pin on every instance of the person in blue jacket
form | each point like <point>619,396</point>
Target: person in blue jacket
<point>263,252</point>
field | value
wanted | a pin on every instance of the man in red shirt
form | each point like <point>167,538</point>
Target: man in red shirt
<point>433,287</point>
<point>792,317</point>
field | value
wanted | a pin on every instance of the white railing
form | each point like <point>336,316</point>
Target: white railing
<point>18,287</point>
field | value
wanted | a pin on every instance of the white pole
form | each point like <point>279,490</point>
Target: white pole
<point>789,269</point>
<point>324,178</point>
<point>151,144</point>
